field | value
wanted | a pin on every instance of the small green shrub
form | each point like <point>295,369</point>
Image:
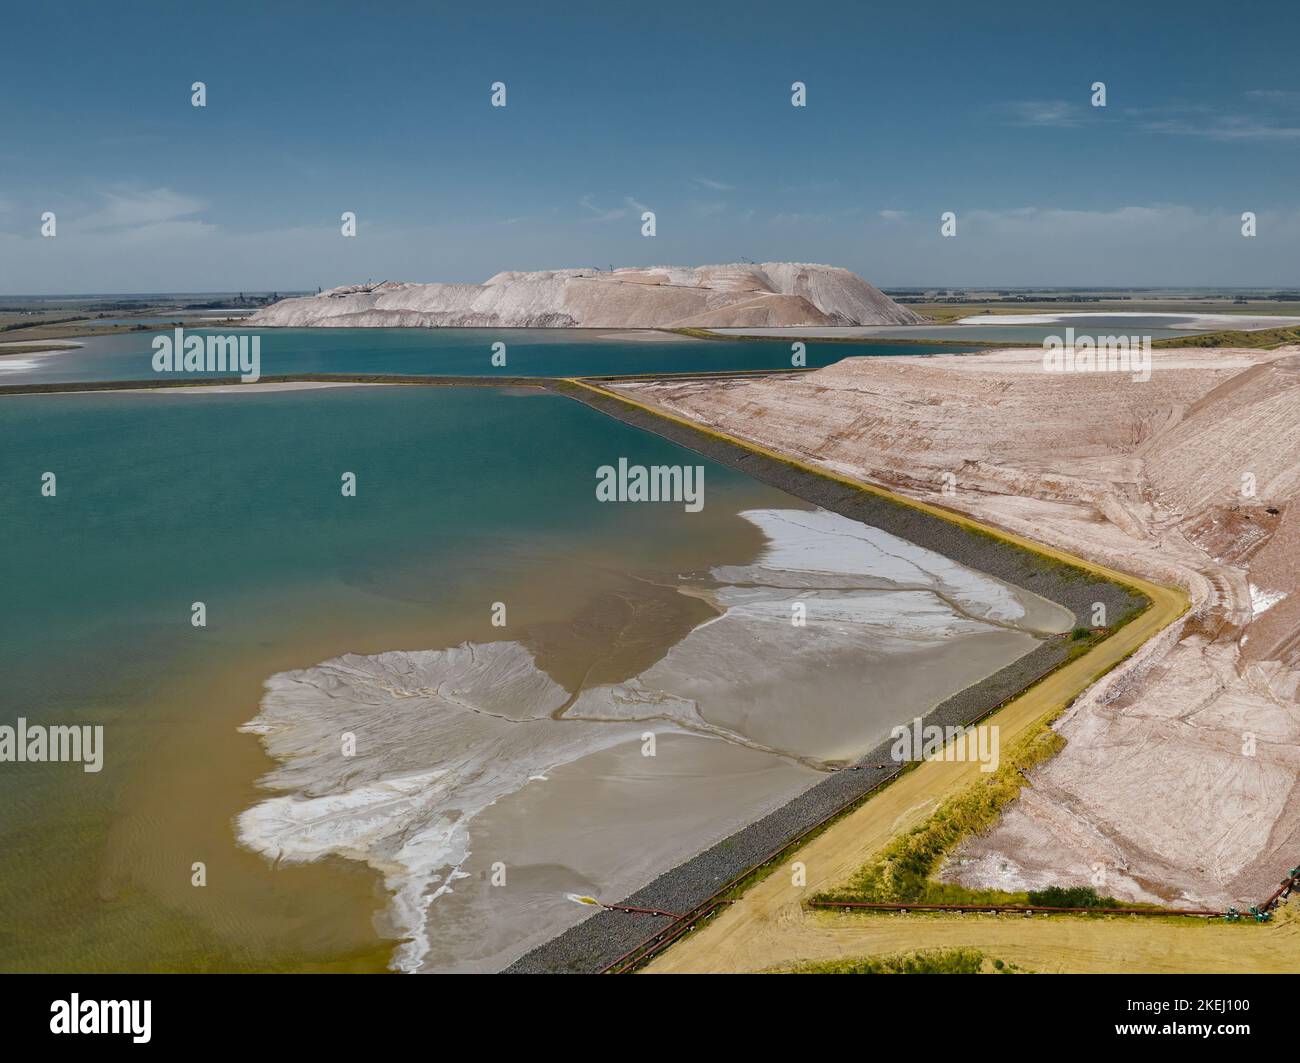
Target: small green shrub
<point>1071,897</point>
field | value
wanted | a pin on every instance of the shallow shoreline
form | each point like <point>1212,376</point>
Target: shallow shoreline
<point>596,943</point>
<point>421,804</point>
<point>606,935</point>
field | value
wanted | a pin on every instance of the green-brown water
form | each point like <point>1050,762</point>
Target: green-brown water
<point>464,498</point>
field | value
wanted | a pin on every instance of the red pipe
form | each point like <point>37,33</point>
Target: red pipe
<point>640,911</point>
<point>662,940</point>
<point>711,902</point>
<point>893,907</point>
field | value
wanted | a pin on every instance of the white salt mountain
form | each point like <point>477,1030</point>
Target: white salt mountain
<point>773,295</point>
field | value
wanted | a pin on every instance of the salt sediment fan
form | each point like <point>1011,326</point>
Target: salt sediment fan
<point>773,295</point>
<point>445,735</point>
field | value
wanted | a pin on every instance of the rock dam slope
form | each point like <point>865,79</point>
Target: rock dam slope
<point>1179,779</point>
<point>773,295</point>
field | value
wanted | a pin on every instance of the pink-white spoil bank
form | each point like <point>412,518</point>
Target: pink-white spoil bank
<point>1180,778</point>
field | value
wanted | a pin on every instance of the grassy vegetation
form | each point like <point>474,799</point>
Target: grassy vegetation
<point>951,893</point>
<point>1264,339</point>
<point>11,323</point>
<point>1073,897</point>
<point>77,327</point>
<point>902,872</point>
<point>917,855</point>
<point>931,961</point>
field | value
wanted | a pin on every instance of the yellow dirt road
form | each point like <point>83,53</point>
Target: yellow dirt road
<point>1043,944</point>
<point>768,927</point>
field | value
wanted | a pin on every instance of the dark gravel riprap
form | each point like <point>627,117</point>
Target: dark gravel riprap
<point>607,936</point>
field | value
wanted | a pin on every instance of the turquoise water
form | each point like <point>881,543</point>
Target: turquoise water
<point>456,352</point>
<point>166,499</point>
<point>465,497</point>
<point>1033,335</point>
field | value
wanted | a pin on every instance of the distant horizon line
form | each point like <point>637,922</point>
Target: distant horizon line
<point>887,288</point>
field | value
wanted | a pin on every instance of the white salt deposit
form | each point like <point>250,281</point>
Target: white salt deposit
<point>442,735</point>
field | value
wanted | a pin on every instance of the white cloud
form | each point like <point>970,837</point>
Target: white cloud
<point>599,213</point>
<point>1284,96</point>
<point>1145,244</point>
<point>1059,114</point>
<point>1265,115</point>
<point>1137,245</point>
<point>1226,127</point>
<point>126,208</point>
<point>799,218</point>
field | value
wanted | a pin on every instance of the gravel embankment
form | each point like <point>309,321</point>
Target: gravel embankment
<point>607,935</point>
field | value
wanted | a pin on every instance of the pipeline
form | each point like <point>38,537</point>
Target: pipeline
<point>1283,891</point>
<point>1263,911</point>
<point>1019,909</point>
<point>686,921</point>
<point>661,940</point>
<point>658,942</point>
<point>633,910</point>
<point>681,924</point>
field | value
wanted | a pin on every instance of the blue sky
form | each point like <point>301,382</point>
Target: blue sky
<point>683,108</point>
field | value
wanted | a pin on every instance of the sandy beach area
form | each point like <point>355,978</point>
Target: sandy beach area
<point>19,356</point>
